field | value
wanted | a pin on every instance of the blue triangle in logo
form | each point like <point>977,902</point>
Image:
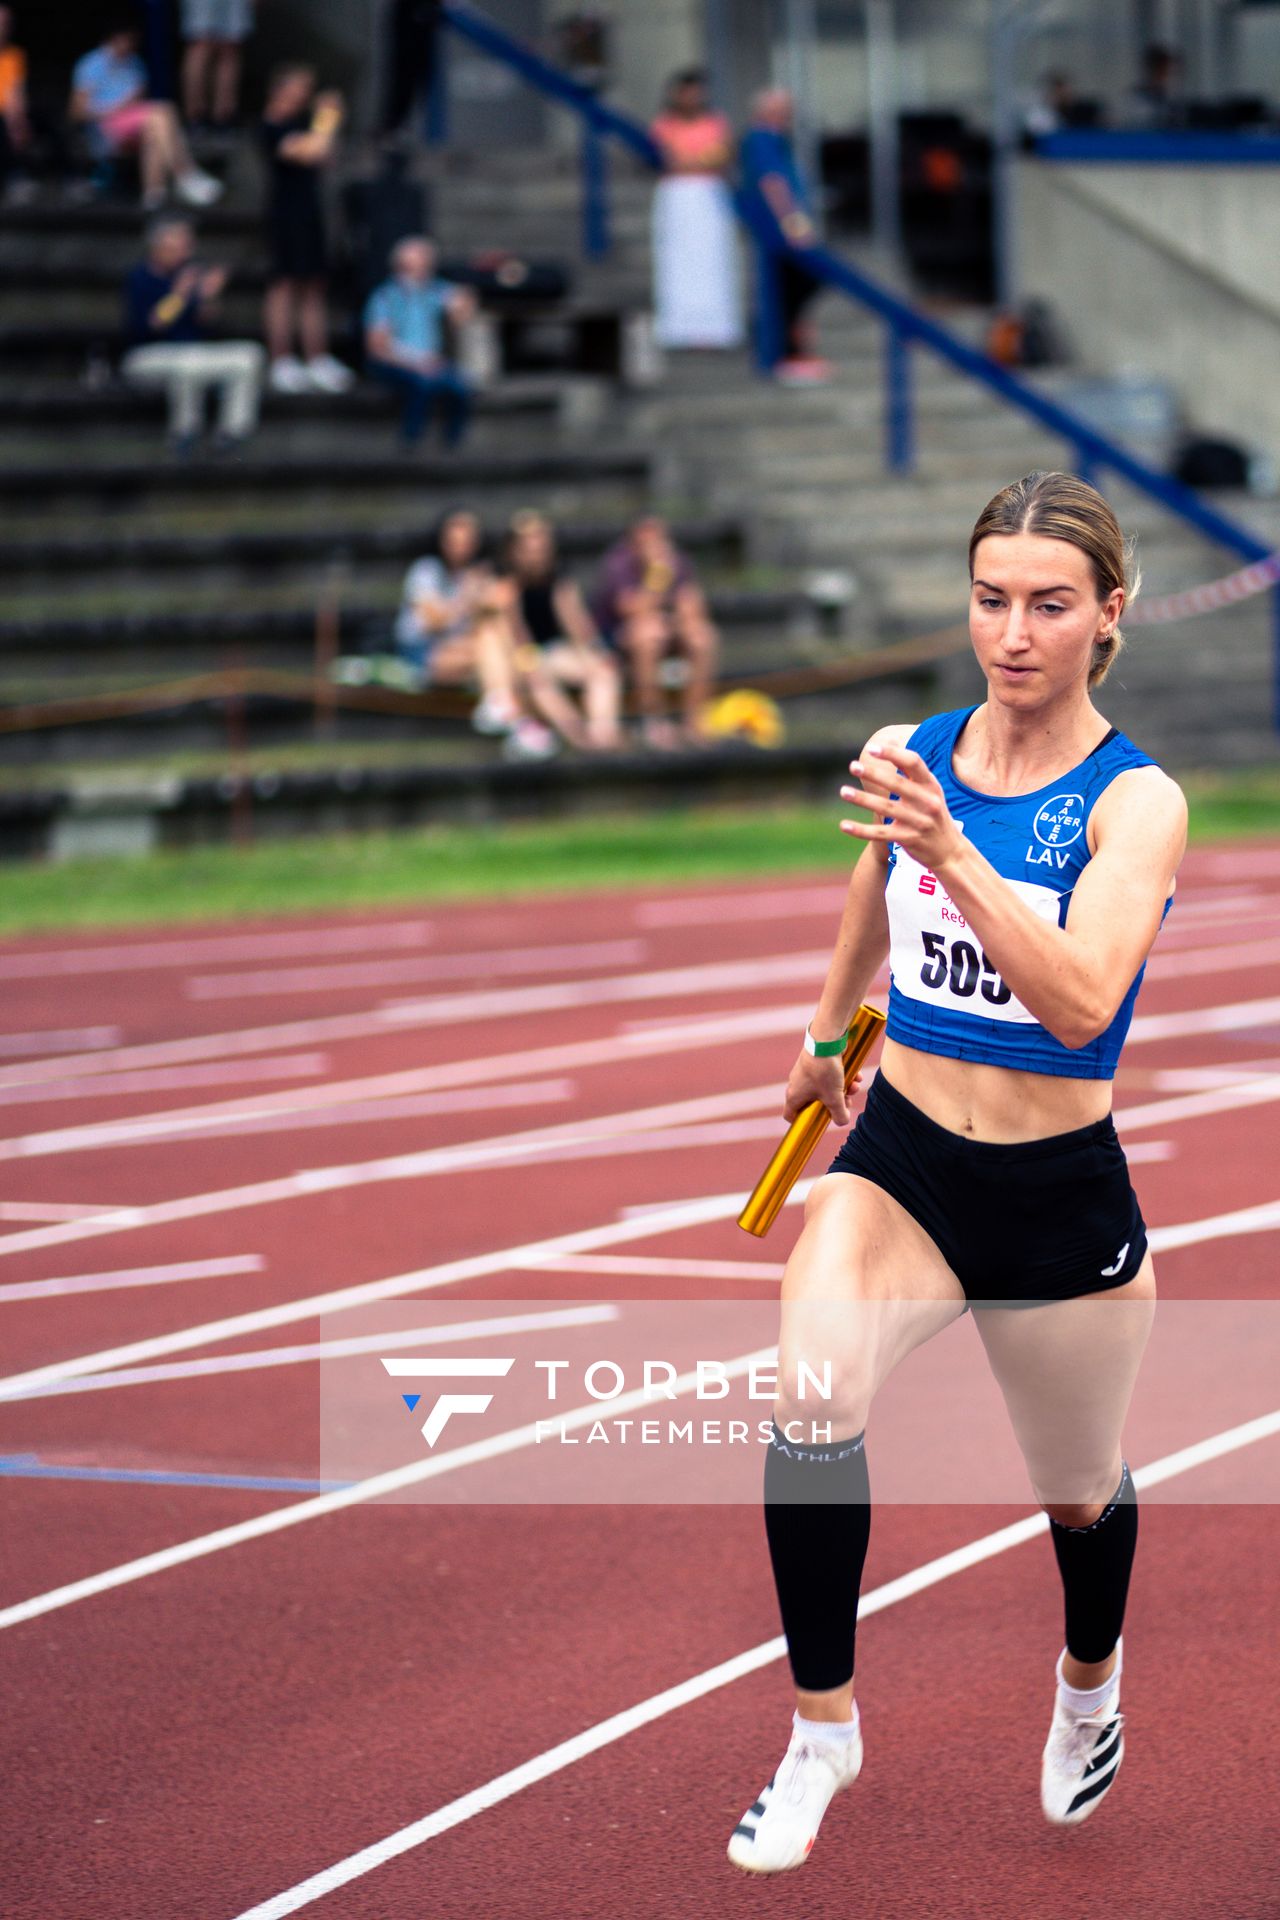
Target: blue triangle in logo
<point>411,1400</point>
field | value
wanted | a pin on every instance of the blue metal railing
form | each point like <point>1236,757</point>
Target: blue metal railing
<point>600,123</point>
<point>905,327</point>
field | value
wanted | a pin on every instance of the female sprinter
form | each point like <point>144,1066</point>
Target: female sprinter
<point>1020,858</point>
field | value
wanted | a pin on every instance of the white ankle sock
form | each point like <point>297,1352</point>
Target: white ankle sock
<point>1086,1699</point>
<point>834,1732</point>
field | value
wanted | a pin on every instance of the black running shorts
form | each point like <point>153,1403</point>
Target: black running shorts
<point>1039,1220</point>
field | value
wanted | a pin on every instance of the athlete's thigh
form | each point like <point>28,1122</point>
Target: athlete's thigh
<point>864,1286</point>
<point>1067,1371</point>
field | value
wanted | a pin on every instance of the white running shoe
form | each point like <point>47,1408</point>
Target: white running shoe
<point>778,1831</point>
<point>327,375</point>
<point>530,740</point>
<point>198,189</point>
<point>288,375</point>
<point>1081,1759</point>
<point>492,716</point>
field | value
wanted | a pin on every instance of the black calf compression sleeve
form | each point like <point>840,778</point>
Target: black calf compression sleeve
<point>817,1514</point>
<point>1095,1563</point>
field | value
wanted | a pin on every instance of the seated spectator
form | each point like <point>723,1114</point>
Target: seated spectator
<point>1158,100</point>
<point>214,32</point>
<point>563,649</point>
<point>15,127</point>
<point>299,134</point>
<point>453,627</point>
<point>649,605</point>
<point>109,99</point>
<point>168,300</point>
<point>405,341</point>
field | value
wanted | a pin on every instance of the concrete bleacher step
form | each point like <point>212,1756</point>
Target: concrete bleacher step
<point>71,556</point>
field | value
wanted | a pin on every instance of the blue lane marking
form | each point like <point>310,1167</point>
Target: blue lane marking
<point>28,1466</point>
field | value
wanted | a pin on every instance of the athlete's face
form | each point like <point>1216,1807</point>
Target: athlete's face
<point>1034,615</point>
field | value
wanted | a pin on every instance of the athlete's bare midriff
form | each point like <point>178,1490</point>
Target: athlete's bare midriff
<point>997,1104</point>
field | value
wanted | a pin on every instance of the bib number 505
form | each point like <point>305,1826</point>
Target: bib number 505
<point>963,968</point>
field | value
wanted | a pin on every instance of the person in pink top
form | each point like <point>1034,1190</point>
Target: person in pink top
<point>697,281</point>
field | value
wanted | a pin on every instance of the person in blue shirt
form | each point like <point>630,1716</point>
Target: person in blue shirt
<point>405,341</point>
<point>1016,867</point>
<point>169,298</point>
<point>775,201</point>
<point>109,99</point>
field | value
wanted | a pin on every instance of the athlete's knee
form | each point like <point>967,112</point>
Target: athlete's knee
<point>821,1398</point>
<point>1081,1514</point>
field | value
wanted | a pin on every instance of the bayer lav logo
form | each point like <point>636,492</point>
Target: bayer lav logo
<point>1060,821</point>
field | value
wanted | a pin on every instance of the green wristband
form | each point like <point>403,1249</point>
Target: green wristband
<point>824,1049</point>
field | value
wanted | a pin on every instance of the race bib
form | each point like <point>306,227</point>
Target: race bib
<point>934,955</point>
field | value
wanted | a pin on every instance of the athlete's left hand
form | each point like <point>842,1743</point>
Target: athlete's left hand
<point>897,786</point>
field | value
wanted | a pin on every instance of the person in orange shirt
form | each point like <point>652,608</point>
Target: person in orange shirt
<point>15,128</point>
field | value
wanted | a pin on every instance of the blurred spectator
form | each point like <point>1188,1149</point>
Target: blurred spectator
<point>776,195</point>
<point>648,605</point>
<point>453,627</point>
<point>405,340</point>
<point>214,32</point>
<point>1158,100</point>
<point>1054,107</point>
<point>168,299</point>
<point>109,99</point>
<point>409,71</point>
<point>697,294</point>
<point>15,127</point>
<point>563,649</point>
<point>299,134</point>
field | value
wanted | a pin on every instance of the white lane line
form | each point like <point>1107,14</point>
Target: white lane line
<point>569,1140</point>
<point>359,1113</point>
<point>606,1733</point>
<point>213,1073</point>
<point>1181,964</point>
<point>175,1122</point>
<point>217,1269</point>
<point>494,1150</point>
<point>640,1265</point>
<point>144,956</point>
<point>718,978</point>
<point>1150,1150</point>
<point>262,1358</point>
<point>1223,1226</point>
<point>1194,1106</point>
<point>428,968</point>
<point>1230,1018</point>
<point>689,1212</point>
<point>714,909</point>
<point>395,1480</point>
<point>423,1279</point>
<point>61,1210</point>
<point>57,1040</point>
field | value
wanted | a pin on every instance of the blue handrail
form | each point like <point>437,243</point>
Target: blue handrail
<point>599,121</point>
<point>905,326</point>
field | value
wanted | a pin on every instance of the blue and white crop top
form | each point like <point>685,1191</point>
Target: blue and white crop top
<point>945,996</point>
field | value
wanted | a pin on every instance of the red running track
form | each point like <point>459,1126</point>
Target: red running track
<point>229,1121</point>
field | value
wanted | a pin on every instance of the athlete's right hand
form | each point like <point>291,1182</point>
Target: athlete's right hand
<point>822,1079</point>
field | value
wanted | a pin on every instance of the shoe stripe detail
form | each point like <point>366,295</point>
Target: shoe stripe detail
<point>748,1833</point>
<point>757,1809</point>
<point>1105,1749</point>
<point>1098,1785</point>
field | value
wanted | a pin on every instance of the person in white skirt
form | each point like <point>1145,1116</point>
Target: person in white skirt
<point>697,276</point>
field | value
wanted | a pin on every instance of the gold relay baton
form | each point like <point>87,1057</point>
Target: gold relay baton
<point>805,1131</point>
